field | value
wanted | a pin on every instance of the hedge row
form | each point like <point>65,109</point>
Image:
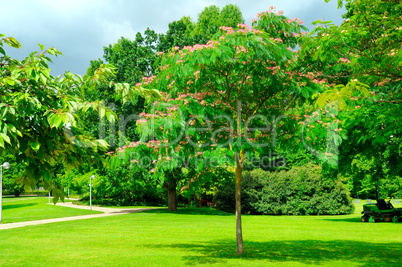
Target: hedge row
<point>299,191</point>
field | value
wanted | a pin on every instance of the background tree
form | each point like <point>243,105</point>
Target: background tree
<point>133,59</point>
<point>365,49</point>
<point>211,18</point>
<point>178,34</point>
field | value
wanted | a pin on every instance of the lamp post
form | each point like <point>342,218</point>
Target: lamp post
<point>5,165</point>
<point>90,190</point>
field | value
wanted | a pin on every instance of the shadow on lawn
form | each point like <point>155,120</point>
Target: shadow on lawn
<point>352,219</point>
<point>355,220</point>
<point>303,251</point>
<point>15,206</point>
<point>193,211</point>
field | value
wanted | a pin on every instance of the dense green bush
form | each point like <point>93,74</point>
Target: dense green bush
<point>10,176</point>
<point>301,190</point>
<point>116,187</point>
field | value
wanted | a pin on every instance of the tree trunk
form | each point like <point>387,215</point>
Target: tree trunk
<point>171,187</point>
<point>239,168</point>
<point>239,232</point>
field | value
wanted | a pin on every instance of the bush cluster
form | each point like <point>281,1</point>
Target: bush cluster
<point>118,187</point>
<point>302,190</point>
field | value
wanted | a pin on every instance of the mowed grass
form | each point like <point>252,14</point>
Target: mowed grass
<point>191,237</point>
<point>36,208</point>
<point>86,203</point>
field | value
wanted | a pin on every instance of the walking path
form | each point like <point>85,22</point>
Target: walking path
<point>106,213</point>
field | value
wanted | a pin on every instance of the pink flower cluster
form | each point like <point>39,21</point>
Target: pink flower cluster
<point>320,81</point>
<point>297,20</point>
<point>386,80</point>
<point>243,28</point>
<point>164,67</point>
<point>153,143</point>
<point>228,30</point>
<point>141,121</point>
<point>171,84</point>
<point>344,60</point>
<point>198,96</point>
<point>210,44</point>
<point>267,13</point>
<point>146,80</point>
<point>274,69</point>
<point>276,40</point>
<point>157,114</point>
<point>241,49</point>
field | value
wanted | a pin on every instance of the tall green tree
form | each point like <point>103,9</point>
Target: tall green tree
<point>133,59</point>
<point>211,18</point>
<point>178,34</point>
<point>41,116</point>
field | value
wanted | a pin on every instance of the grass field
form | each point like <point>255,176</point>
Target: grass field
<point>35,208</point>
<point>86,203</point>
<point>204,237</point>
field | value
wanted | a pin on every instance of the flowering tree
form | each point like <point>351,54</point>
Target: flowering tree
<point>220,103</point>
<point>362,57</point>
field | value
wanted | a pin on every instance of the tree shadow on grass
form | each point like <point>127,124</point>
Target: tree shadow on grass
<point>193,211</point>
<point>352,219</point>
<point>16,206</point>
<point>315,252</point>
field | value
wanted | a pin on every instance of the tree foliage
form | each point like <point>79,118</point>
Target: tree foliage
<point>211,18</point>
<point>133,59</point>
<point>362,59</point>
<point>41,116</point>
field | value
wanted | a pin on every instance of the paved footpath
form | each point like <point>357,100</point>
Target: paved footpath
<point>106,213</point>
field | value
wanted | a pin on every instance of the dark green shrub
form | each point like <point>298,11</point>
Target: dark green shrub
<point>123,187</point>
<point>119,187</point>
<point>301,190</point>
<point>11,176</point>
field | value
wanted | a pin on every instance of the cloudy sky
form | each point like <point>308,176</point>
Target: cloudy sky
<point>81,28</point>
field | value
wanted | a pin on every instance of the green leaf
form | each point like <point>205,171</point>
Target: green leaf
<point>10,81</point>
<point>35,146</point>
<point>200,165</point>
<point>101,112</point>
<point>40,154</point>
<point>5,138</point>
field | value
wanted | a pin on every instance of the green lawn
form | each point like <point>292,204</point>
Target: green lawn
<point>204,237</point>
<point>86,203</point>
<point>35,208</point>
